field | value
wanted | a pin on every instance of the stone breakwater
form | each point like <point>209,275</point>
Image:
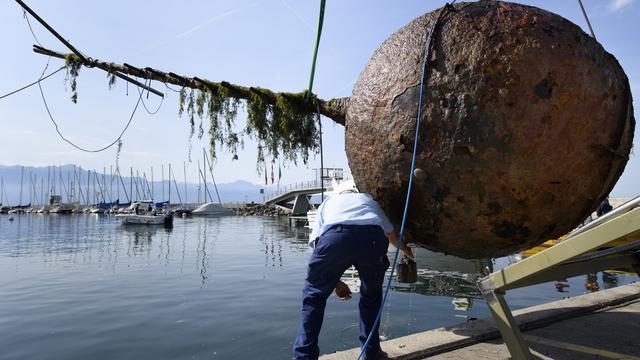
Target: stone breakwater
<point>258,210</point>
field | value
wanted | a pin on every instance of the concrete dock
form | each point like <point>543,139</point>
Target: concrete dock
<point>600,325</point>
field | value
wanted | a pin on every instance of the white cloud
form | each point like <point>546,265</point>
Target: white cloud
<point>616,5</point>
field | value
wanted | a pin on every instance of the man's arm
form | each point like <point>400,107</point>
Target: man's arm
<point>394,238</point>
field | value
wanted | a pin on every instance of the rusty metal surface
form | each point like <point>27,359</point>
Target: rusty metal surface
<point>528,124</point>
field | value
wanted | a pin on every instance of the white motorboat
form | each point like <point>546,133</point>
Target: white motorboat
<point>146,219</point>
<point>212,209</point>
<point>139,207</point>
<point>62,208</point>
<point>58,207</point>
<point>44,209</point>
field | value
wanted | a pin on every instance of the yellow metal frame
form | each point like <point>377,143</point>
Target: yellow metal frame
<point>568,258</point>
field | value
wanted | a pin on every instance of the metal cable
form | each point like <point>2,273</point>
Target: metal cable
<point>55,124</point>
<point>26,17</point>
<point>586,17</point>
<point>428,36</point>
<point>145,105</point>
<point>33,83</point>
<point>170,88</point>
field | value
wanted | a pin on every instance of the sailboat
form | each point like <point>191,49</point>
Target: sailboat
<point>3,208</point>
<point>210,208</point>
<point>20,209</point>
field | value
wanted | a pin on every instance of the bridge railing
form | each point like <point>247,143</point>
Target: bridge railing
<point>270,194</point>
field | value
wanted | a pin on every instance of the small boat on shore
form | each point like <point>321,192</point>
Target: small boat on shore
<point>212,209</point>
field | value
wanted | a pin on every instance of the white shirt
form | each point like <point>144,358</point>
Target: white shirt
<point>349,209</point>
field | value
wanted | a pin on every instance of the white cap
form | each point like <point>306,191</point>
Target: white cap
<point>348,186</point>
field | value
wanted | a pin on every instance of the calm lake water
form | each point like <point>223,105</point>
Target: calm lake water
<point>85,287</point>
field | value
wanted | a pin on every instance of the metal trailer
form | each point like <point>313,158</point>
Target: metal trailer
<point>576,255</point>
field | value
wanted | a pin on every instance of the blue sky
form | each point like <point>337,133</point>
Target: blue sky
<point>261,43</point>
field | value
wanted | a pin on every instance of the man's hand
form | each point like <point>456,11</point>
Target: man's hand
<point>406,250</point>
<point>342,291</point>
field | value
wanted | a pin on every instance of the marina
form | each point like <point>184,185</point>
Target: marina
<point>71,189</point>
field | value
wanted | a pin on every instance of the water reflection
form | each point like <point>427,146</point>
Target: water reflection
<point>439,275</point>
<point>139,239</point>
<point>272,249</point>
<point>609,280</point>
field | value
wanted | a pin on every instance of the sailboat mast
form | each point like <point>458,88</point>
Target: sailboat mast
<point>184,169</point>
<point>199,181</point>
<point>48,182</point>
<point>73,184</point>
<point>88,186</point>
<point>169,183</point>
<point>215,186</point>
<point>33,189</point>
<point>137,188</point>
<point>146,183</point>
<point>30,189</point>
<point>21,179</point>
<point>111,182</point>
<point>79,180</point>
<point>176,184</point>
<point>204,177</point>
<point>122,183</point>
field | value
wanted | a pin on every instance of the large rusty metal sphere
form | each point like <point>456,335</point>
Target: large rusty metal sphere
<point>527,124</point>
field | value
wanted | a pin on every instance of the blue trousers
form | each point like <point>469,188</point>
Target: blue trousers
<point>365,247</point>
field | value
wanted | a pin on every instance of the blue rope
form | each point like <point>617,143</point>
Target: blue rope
<point>406,205</point>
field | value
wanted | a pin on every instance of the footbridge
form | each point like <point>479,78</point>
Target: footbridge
<point>295,197</point>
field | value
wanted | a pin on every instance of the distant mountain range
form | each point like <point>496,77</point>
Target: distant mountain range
<point>79,184</point>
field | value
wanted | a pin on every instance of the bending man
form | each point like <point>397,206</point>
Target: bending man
<point>350,229</point>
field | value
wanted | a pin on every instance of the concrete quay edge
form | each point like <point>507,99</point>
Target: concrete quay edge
<point>437,341</point>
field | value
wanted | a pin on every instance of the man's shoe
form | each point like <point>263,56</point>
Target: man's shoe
<point>381,355</point>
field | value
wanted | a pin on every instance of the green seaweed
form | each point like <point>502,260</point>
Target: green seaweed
<point>285,128</point>
<point>73,64</point>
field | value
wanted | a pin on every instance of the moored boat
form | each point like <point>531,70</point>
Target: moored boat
<point>146,219</point>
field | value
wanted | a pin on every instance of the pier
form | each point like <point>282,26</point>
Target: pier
<point>600,325</point>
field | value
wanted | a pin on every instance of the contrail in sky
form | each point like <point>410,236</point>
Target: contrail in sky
<point>297,14</point>
<point>200,26</point>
